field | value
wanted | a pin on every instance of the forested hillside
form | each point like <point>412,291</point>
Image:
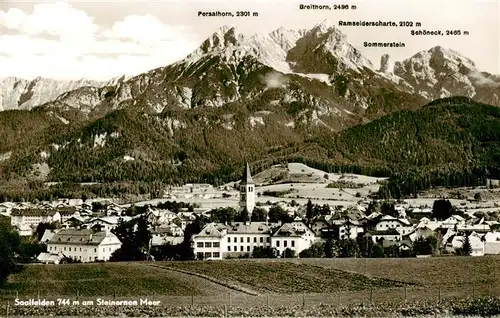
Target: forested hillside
<point>453,141</point>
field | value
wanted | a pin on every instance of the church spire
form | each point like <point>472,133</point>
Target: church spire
<point>247,177</point>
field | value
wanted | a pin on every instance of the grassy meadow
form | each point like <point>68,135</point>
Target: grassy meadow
<point>383,279</point>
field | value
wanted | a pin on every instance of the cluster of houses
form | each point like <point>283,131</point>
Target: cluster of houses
<point>217,241</point>
<point>85,235</point>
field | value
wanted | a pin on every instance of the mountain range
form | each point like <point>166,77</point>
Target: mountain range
<point>234,98</point>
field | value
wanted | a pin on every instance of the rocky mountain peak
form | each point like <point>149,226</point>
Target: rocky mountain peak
<point>286,38</point>
<point>325,49</point>
<point>226,36</point>
<point>324,26</point>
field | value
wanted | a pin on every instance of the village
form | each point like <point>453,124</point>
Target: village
<point>263,226</point>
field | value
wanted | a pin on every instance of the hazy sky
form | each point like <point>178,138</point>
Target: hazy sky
<point>101,39</point>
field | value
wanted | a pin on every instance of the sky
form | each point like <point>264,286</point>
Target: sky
<point>103,39</point>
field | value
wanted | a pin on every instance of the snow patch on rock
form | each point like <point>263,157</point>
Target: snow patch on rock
<point>100,140</point>
<point>5,156</point>
<point>255,121</point>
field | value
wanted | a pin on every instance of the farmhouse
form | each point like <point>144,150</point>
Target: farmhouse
<point>388,222</point>
<point>83,245</point>
<point>452,221</point>
<point>105,223</point>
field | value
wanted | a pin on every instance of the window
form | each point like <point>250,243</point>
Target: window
<point>277,243</point>
<point>208,254</point>
<point>261,239</point>
<point>241,239</point>
<point>80,249</point>
<point>110,249</point>
<point>208,244</point>
<point>268,239</point>
<point>95,250</point>
<point>254,239</point>
<point>69,249</point>
<point>241,248</point>
<point>235,239</point>
<point>293,243</point>
<point>199,255</point>
<point>216,254</point>
<point>216,244</point>
<point>248,239</point>
<point>229,240</point>
<point>199,244</point>
<point>285,243</point>
<point>248,248</point>
<point>235,248</point>
<point>229,248</point>
<point>103,249</point>
<point>65,248</point>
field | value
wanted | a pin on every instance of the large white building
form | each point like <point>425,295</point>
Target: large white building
<point>217,241</point>
<point>83,245</point>
<point>26,220</point>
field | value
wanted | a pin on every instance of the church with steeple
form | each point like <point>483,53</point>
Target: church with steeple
<point>247,191</point>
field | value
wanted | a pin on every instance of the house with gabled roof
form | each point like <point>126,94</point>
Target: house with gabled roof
<point>210,243</point>
<point>320,223</point>
<point>106,222</point>
<point>387,222</point>
<point>295,236</point>
<point>66,212</point>
<point>452,222</point>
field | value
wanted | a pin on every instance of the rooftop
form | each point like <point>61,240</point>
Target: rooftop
<point>78,237</point>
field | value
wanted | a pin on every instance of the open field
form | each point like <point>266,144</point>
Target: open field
<point>284,287</point>
<point>279,276</point>
<point>282,277</point>
<point>431,272</point>
<point>106,279</point>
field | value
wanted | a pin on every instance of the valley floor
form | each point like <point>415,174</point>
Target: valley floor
<point>264,281</point>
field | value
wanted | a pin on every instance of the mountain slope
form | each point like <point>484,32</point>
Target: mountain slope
<point>187,146</point>
<point>261,98</point>
<point>18,93</point>
<point>449,131</point>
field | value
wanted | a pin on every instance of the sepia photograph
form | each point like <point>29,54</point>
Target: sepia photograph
<point>250,158</point>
